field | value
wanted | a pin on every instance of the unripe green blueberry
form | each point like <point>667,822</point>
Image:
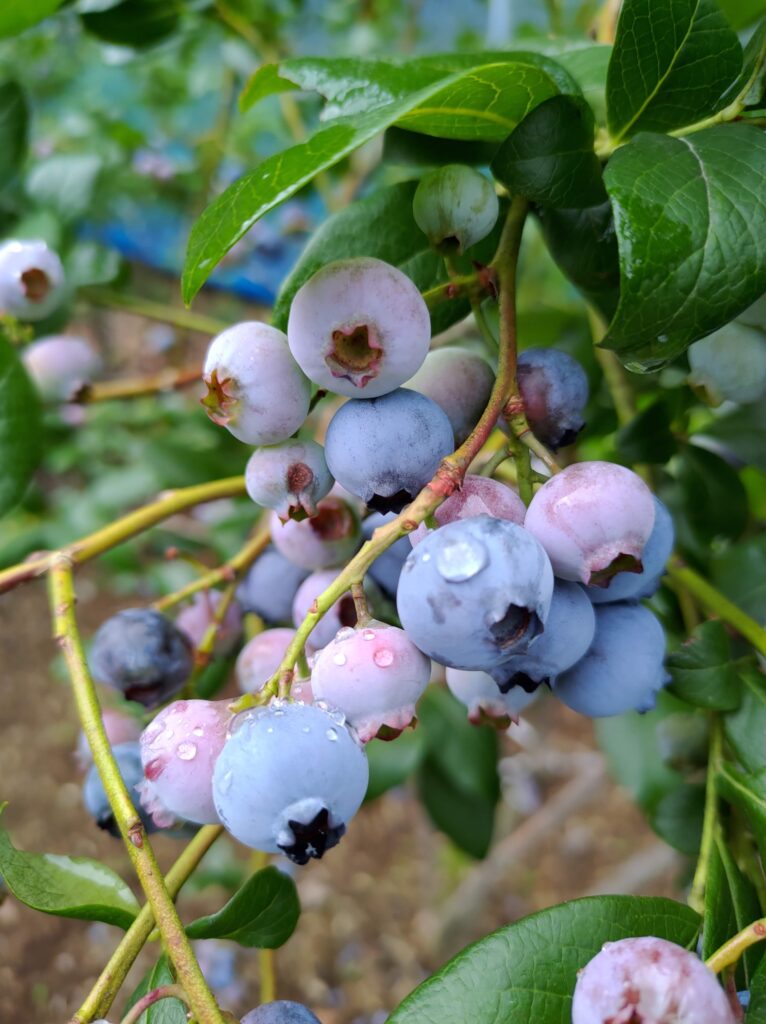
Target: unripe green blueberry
<point>455,207</point>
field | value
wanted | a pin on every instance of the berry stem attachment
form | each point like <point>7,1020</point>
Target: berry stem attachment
<point>710,824</point>
<point>67,634</point>
<point>164,992</point>
<point>714,601</point>
<point>102,995</point>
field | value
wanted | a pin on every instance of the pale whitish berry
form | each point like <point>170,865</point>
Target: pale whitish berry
<point>328,538</point>
<point>478,496</point>
<point>60,366</point>
<point>31,280</point>
<point>289,478</point>
<point>196,618</point>
<point>460,382</point>
<point>260,658</point>
<point>340,614</point>
<point>481,696</point>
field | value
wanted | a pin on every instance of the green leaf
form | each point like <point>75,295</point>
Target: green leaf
<point>527,971</point>
<point>17,15</point>
<point>66,886</point>
<point>756,1011</point>
<point>748,792</point>
<point>65,183</point>
<point>481,103</point>
<point>263,913</point>
<point>702,670</point>
<point>713,497</point>
<point>648,437</point>
<point>382,225</point>
<point>467,818</point>
<point>742,432</point>
<point>740,572</point>
<point>588,65</point>
<point>671,65</point>
<point>391,764</point>
<point>14,130</point>
<point>690,216</point>
<point>741,13</point>
<point>549,158</point>
<point>731,903</point>
<point>677,818</point>
<point>20,427</point>
<point>134,23</point>
<point>166,1011</point>
<point>745,729</point>
<point>414,150</point>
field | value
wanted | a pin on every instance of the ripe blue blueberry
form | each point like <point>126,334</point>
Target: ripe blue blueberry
<point>128,758</point>
<point>455,206</point>
<point>474,592</point>
<point>290,778</point>
<point>282,1011</point>
<point>60,366</point>
<point>554,390</point>
<point>255,388</point>
<point>387,567</point>
<point>31,280</point>
<point>633,586</point>
<point>730,364</point>
<point>328,538</point>
<point>289,478</point>
<point>479,692</point>
<point>623,669</point>
<point>593,519</point>
<point>459,381</point>
<point>141,653</point>
<point>359,328</point>
<point>569,630</point>
<point>270,587</point>
<point>386,449</point>
<point>478,496</point>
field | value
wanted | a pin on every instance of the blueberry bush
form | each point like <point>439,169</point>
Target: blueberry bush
<point>503,434</point>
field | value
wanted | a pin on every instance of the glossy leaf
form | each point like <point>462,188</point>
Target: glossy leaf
<point>690,216</point>
<point>17,15</point>
<point>66,886</point>
<point>746,728</point>
<point>263,913</point>
<point>748,792</point>
<point>671,65</point>
<point>742,13</point>
<point>392,763</point>
<point>731,903</point>
<point>411,149</point>
<point>166,1011</point>
<point>20,427</point>
<point>713,497</point>
<point>702,670</point>
<point>134,23</point>
<point>467,818</point>
<point>14,129</point>
<point>677,818</point>
<point>527,971</point>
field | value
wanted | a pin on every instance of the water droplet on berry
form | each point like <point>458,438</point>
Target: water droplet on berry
<point>270,729</point>
<point>332,735</point>
<point>339,659</point>
<point>459,560</point>
<point>383,657</point>
<point>426,557</point>
<point>344,633</point>
<point>225,783</point>
<point>368,634</point>
<point>278,713</point>
<point>187,751</point>
<point>198,731</point>
<point>306,728</point>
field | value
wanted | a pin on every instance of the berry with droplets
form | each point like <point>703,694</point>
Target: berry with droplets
<point>478,496</point>
<point>460,382</point>
<point>326,539</point>
<point>32,281</point>
<point>375,675</point>
<point>455,206</point>
<point>290,777</point>
<point>359,328</point>
<point>289,478</point>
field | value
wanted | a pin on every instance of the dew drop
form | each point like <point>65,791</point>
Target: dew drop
<point>187,751</point>
<point>426,557</point>
<point>368,634</point>
<point>332,735</point>
<point>270,729</point>
<point>339,659</point>
<point>225,783</point>
<point>306,728</point>
<point>279,713</point>
<point>460,560</point>
<point>383,657</point>
<point>345,633</point>
<point>198,731</point>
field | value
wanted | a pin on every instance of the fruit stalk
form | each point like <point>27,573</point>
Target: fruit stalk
<point>66,632</point>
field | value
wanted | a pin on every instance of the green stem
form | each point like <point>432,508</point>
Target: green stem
<point>493,464</point>
<point>484,329</point>
<point>714,601</point>
<point>268,980</point>
<point>523,470</point>
<point>143,1004</point>
<point>457,287</point>
<point>710,823</point>
<point>730,952</point>
<point>182,318</point>
<point>62,602</point>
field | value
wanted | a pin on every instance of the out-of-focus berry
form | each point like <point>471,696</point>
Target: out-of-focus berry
<point>342,613</point>
<point>270,587</point>
<point>283,1011</point>
<point>328,538</point>
<point>289,478</point>
<point>455,206</point>
<point>119,726</point>
<point>196,618</point>
<point>260,657</point>
<point>479,692</point>
<point>387,567</point>
<point>60,366</point>
<point>478,496</point>
<point>459,381</point>
<point>730,364</point>
<point>32,282</point>
<point>128,758</point>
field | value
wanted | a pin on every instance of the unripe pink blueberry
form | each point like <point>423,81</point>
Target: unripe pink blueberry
<point>260,658</point>
<point>255,388</point>
<point>459,381</point>
<point>374,674</point>
<point>359,328</point>
<point>119,726</point>
<point>340,614</point>
<point>178,752</point>
<point>478,496</point>
<point>31,280</point>
<point>651,981</point>
<point>60,366</point>
<point>196,618</point>
<point>593,519</point>
<point>289,478</point>
<point>328,538</point>
<point>483,699</point>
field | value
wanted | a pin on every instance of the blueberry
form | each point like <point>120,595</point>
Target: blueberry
<point>479,692</point>
<point>460,382</point>
<point>623,669</point>
<point>328,538</point>
<point>196,618</point>
<point>569,631</point>
<point>554,390</point>
<point>260,657</point>
<point>289,478</point>
<point>455,206</point>
<point>255,388</point>
<point>593,519</point>
<point>648,979</point>
<point>386,449</point>
<point>60,366</point>
<point>141,653</point>
<point>474,592</point>
<point>290,778</point>
<point>270,586</point>
<point>342,613</point>
<point>128,758</point>
<point>387,567</point>
<point>730,364</point>
<point>632,586</point>
<point>478,496</point>
<point>359,328</point>
<point>31,280</point>
<point>178,752</point>
<point>375,675</point>
<point>283,1011</point>
<point>119,726</point>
